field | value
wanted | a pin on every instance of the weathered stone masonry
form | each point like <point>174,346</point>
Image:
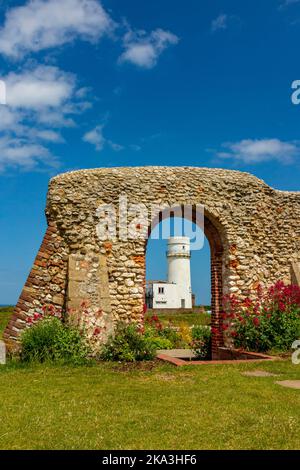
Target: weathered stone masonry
<point>253,230</point>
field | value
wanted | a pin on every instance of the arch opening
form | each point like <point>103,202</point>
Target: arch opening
<point>212,255</point>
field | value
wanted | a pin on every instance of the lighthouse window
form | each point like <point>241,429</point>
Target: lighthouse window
<point>161,290</point>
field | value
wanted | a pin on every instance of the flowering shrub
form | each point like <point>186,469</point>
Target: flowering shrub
<point>271,320</point>
<point>50,340</point>
<point>201,341</point>
<point>135,343</point>
<point>153,327</point>
<point>128,344</point>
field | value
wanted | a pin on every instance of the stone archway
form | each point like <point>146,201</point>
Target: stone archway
<point>253,231</point>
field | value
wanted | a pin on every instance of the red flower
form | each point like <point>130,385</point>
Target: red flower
<point>29,319</point>
<point>256,309</point>
<point>256,321</point>
<point>37,316</point>
<point>214,330</point>
<point>97,331</point>
<point>247,302</point>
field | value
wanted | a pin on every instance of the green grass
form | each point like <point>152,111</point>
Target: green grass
<point>5,314</point>
<point>107,406</point>
<point>110,406</point>
<point>189,318</point>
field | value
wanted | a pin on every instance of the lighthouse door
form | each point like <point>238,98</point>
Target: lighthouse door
<point>182,303</point>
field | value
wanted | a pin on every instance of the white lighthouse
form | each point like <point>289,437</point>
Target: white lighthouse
<point>176,292</point>
<point>179,269</point>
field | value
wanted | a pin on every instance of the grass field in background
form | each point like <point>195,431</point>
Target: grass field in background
<point>5,314</point>
<point>190,318</point>
<point>165,317</point>
<point>113,406</point>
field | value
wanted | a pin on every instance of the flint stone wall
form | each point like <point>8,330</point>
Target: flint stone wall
<point>253,230</point>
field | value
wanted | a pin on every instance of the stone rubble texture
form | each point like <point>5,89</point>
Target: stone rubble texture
<point>253,230</point>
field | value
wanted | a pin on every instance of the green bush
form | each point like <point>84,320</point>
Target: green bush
<point>174,337</point>
<point>159,343</point>
<point>128,344</point>
<point>51,340</point>
<point>201,341</point>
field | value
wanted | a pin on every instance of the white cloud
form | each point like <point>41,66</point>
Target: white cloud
<point>221,22</point>
<point>42,94</point>
<point>144,50</point>
<point>43,24</point>
<point>95,137</point>
<point>10,119</point>
<point>44,86</point>
<point>114,146</point>
<point>19,153</point>
<point>40,101</point>
<point>48,135</point>
<point>260,150</point>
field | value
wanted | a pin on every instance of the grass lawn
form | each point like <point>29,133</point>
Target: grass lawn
<point>107,406</point>
<point>5,314</point>
<point>189,318</point>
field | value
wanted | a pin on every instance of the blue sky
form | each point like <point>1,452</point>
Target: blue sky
<point>115,83</point>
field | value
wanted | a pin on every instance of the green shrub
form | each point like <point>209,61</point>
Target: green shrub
<point>51,340</point>
<point>174,337</point>
<point>160,337</point>
<point>128,344</point>
<point>201,341</point>
<point>159,343</point>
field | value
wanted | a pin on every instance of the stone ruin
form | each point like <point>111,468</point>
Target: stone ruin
<point>253,231</point>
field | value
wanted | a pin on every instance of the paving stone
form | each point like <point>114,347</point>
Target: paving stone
<point>179,353</point>
<point>290,383</point>
<point>259,373</point>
